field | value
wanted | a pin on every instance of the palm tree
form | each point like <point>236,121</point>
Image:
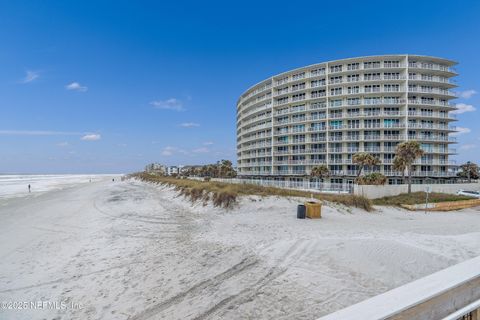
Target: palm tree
<point>400,165</point>
<point>408,152</point>
<point>226,169</point>
<point>363,160</point>
<point>320,172</point>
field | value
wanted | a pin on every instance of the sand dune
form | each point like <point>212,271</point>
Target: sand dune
<point>131,250</point>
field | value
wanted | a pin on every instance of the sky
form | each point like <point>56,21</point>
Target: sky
<point>109,86</point>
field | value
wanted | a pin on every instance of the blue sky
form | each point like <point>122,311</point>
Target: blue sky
<point>108,86</point>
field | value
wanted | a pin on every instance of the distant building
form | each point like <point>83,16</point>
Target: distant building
<point>155,168</point>
<point>189,168</point>
<point>171,170</point>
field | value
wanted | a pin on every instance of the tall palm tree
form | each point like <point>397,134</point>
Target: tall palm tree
<point>320,171</point>
<point>399,164</point>
<point>408,152</point>
<point>363,160</point>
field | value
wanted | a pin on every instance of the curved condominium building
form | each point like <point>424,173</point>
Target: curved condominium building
<point>327,112</point>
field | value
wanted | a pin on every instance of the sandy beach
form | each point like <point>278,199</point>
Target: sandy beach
<point>133,250</point>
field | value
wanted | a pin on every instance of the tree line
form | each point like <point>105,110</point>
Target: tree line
<point>221,169</point>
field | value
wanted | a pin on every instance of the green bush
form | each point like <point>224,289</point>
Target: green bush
<point>374,178</point>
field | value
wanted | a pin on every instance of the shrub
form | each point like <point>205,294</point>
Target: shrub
<point>224,199</point>
<point>418,198</point>
<point>374,178</point>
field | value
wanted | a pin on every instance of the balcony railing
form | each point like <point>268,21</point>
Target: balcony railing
<point>429,79</point>
<point>433,90</point>
<point>428,66</point>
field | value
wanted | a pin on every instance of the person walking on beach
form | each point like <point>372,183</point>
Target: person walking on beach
<point>29,189</point>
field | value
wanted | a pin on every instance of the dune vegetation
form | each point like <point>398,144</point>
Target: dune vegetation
<point>418,198</point>
<point>225,195</point>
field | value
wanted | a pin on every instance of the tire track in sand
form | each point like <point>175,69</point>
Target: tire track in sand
<point>246,294</point>
<point>238,268</point>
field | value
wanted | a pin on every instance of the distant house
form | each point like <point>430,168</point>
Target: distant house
<point>172,170</point>
<point>155,168</point>
<point>189,168</point>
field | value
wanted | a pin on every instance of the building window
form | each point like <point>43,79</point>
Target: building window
<point>353,66</point>
<point>371,65</point>
<point>298,76</point>
<point>317,72</point>
<point>337,68</point>
<point>335,91</point>
<point>353,78</point>
<point>317,83</point>
<point>298,86</point>
<point>297,97</point>
<point>391,64</point>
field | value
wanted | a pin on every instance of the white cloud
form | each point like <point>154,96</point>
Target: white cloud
<point>75,86</point>
<point>208,143</point>
<point>169,104</point>
<point>30,76</point>
<point>462,108</point>
<point>461,130</point>
<point>467,94</point>
<point>189,124</point>
<point>468,146</point>
<point>201,150</point>
<point>91,137</point>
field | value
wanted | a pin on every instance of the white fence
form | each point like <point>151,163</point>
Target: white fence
<point>374,192</point>
<point>313,186</point>
<point>369,191</point>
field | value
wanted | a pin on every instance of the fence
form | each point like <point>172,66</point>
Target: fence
<point>374,192</point>
<point>306,185</point>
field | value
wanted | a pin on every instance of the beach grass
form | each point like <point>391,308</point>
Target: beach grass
<point>418,198</point>
<point>225,195</point>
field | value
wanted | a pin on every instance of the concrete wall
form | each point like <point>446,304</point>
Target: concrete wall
<point>374,192</point>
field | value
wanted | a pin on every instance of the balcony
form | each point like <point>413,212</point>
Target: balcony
<point>335,150</point>
<point>372,137</point>
<point>281,102</point>
<point>433,102</point>
<point>429,66</point>
<point>430,79</point>
<point>432,138</point>
<point>292,172</point>
<point>433,91</point>
<point>393,137</point>
<point>433,174</point>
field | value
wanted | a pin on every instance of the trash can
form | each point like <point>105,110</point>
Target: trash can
<point>301,211</point>
<point>313,209</point>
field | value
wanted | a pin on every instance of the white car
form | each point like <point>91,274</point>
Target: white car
<point>474,194</point>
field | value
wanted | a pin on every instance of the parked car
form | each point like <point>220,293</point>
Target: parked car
<point>474,194</point>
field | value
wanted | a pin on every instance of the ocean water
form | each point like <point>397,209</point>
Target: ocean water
<point>17,185</point>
